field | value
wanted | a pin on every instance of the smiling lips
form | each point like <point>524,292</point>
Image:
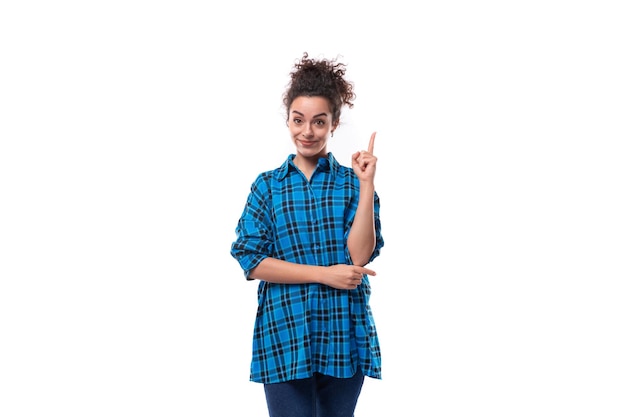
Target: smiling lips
<point>307,142</point>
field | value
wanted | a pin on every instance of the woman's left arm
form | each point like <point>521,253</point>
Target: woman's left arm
<point>362,237</point>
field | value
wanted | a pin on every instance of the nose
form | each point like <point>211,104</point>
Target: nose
<point>307,131</point>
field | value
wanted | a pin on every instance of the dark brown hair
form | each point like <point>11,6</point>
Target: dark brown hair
<point>320,78</point>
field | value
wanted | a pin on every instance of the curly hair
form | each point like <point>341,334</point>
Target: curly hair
<point>320,78</point>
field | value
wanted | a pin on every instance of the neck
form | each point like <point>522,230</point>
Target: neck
<point>310,161</point>
<point>306,165</point>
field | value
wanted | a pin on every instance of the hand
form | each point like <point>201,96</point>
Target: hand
<point>364,162</point>
<point>345,277</point>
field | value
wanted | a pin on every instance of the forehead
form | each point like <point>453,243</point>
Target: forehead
<point>311,106</point>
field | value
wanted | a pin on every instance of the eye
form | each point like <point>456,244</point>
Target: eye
<point>320,122</point>
<point>297,120</point>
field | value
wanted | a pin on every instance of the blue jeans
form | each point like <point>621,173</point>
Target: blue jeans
<point>318,396</point>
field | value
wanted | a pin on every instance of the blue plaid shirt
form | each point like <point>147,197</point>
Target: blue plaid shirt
<point>305,328</point>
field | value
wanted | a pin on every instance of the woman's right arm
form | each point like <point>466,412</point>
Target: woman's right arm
<point>344,277</point>
<point>254,244</point>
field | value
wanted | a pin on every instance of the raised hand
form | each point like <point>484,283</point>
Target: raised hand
<point>364,162</point>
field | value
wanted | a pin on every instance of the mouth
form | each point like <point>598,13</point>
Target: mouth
<point>307,142</point>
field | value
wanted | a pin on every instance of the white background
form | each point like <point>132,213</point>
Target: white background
<point>131,131</point>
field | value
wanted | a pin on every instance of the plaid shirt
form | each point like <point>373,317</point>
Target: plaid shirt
<point>305,328</point>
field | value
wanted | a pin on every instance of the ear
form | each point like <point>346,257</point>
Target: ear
<point>335,124</point>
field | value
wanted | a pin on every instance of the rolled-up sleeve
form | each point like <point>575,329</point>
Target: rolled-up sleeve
<point>254,241</point>
<point>351,212</point>
<point>379,237</point>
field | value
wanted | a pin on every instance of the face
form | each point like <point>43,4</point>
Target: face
<point>310,125</point>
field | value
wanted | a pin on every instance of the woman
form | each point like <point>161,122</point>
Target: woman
<point>306,233</point>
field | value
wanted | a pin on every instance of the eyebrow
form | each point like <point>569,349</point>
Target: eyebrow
<point>317,115</point>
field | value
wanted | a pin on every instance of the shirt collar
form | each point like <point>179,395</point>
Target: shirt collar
<point>328,164</point>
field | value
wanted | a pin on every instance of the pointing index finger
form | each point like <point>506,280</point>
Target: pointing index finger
<point>370,147</point>
<point>367,271</point>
